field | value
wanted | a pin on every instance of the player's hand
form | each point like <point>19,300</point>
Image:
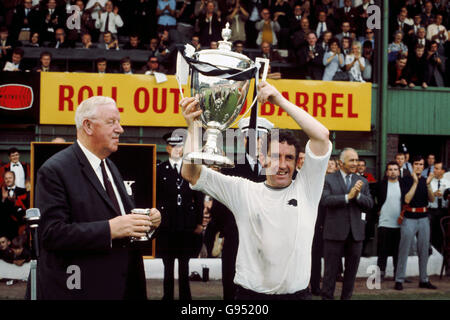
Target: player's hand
<point>130,225</point>
<point>430,177</point>
<point>415,177</point>
<point>267,92</point>
<point>190,110</point>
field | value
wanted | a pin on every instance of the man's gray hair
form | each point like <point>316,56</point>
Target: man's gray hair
<point>88,108</point>
<point>341,155</point>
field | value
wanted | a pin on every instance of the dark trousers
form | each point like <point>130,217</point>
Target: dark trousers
<point>333,252</point>
<point>316,260</point>
<point>387,245</point>
<point>246,294</point>
<point>183,278</point>
<point>229,254</point>
<point>436,236</point>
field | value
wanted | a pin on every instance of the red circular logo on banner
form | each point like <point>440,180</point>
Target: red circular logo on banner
<point>15,97</point>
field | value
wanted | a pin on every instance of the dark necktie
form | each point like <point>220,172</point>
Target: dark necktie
<point>348,182</point>
<point>256,169</point>
<point>175,167</point>
<point>321,29</point>
<point>107,22</point>
<point>15,165</point>
<point>439,199</point>
<point>109,188</point>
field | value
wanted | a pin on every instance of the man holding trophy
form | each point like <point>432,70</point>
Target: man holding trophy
<point>275,218</point>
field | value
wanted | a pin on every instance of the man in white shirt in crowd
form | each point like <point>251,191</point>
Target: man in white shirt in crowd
<point>20,169</point>
<point>389,208</point>
<point>109,20</point>
<point>275,218</point>
<point>439,207</point>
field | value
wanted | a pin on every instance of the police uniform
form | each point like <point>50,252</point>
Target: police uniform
<point>229,227</point>
<point>181,211</point>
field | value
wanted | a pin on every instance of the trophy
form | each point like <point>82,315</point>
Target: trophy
<point>145,212</point>
<point>221,93</point>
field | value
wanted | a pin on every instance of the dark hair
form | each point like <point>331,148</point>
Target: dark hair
<point>101,59</point>
<point>333,40</point>
<point>19,51</point>
<point>287,136</point>
<point>12,150</point>
<point>17,243</point>
<point>400,154</point>
<point>45,53</point>
<point>391,163</point>
<point>417,158</point>
<point>125,59</point>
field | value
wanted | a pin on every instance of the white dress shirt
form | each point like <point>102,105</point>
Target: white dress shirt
<point>178,162</point>
<point>434,29</point>
<point>19,171</point>
<point>95,163</point>
<point>443,184</point>
<point>115,21</point>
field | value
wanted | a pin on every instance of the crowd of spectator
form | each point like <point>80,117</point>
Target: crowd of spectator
<point>297,34</point>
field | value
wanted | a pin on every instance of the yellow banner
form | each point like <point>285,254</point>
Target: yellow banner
<point>344,106</point>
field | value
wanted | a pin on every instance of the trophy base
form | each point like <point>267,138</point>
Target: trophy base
<point>209,159</point>
<point>133,239</point>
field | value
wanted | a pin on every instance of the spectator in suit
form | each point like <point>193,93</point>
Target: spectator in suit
<point>86,42</point>
<point>294,24</point>
<point>299,37</point>
<point>153,46</point>
<point>25,19</point>
<point>416,68</point>
<point>61,40</point>
<point>52,18</point>
<point>369,36</point>
<point>368,55</point>
<point>435,66</point>
<point>311,58</point>
<point>348,13</point>
<point>323,24</point>
<point>420,38</point>
<point>416,26</point>
<point>210,25</point>
<point>398,73</point>
<point>110,20</point>
<point>346,197</point>
<point>389,206</point>
<point>346,32</point>
<point>400,24</point>
<point>324,41</point>
<point>362,15</point>
<point>431,159</point>
<point>185,19</point>
<point>405,169</point>
<point>181,210</point>
<point>282,12</point>
<point>6,44</point>
<point>16,63</point>
<point>267,28</point>
<point>269,53</point>
<point>346,46</point>
<point>134,43</point>
<point>238,46</point>
<point>109,42</point>
<point>45,63</point>
<point>427,14</point>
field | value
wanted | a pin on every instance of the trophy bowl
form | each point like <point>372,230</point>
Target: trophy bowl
<point>144,212</point>
<point>221,101</point>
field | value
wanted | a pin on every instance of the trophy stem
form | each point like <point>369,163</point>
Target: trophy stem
<point>211,141</point>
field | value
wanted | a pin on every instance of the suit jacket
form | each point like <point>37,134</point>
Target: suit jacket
<point>74,231</point>
<point>351,16</point>
<point>341,217</point>
<point>314,67</point>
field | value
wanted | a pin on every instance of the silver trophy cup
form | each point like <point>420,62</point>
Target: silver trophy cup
<point>221,100</point>
<point>145,212</point>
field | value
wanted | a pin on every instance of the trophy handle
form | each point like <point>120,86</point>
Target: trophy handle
<point>266,67</point>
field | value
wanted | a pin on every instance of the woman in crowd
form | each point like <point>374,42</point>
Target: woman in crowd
<point>333,60</point>
<point>355,64</point>
<point>397,46</point>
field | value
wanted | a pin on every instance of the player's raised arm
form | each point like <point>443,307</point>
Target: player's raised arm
<point>189,107</point>
<point>317,133</point>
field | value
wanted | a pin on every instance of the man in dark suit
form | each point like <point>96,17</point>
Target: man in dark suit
<point>52,17</point>
<point>249,168</point>
<point>347,13</point>
<point>346,198</point>
<point>182,212</point>
<point>324,23</point>
<point>85,221</point>
<point>310,58</point>
<point>45,63</point>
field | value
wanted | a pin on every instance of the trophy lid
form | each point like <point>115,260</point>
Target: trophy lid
<point>226,34</point>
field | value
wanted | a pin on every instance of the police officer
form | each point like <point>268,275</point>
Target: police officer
<point>250,168</point>
<point>181,212</point>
